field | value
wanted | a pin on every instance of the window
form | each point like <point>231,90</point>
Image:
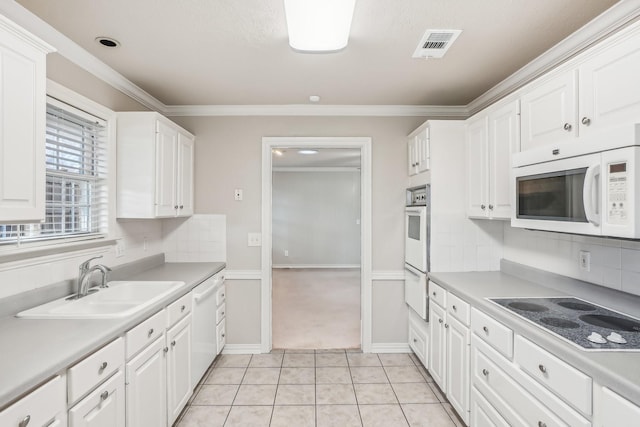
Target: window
<point>76,178</point>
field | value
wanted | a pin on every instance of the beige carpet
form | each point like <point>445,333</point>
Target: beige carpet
<point>316,308</point>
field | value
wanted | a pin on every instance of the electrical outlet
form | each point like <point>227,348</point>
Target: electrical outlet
<point>585,261</point>
<point>144,243</point>
<point>286,252</point>
<point>254,239</point>
<point>237,194</point>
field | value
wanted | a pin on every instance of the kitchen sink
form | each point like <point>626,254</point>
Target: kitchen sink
<point>119,299</point>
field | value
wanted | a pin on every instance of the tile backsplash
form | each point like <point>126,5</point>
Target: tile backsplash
<point>614,263</point>
<point>199,238</point>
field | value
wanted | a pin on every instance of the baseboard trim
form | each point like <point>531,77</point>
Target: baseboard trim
<point>294,266</point>
<point>242,349</point>
<point>391,347</point>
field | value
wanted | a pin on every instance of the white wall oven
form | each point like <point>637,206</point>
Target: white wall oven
<point>593,194</point>
<point>417,238</point>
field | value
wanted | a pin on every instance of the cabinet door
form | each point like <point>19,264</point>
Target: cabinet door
<point>549,112</point>
<point>607,80</point>
<point>166,173</point>
<point>458,340</point>
<point>185,175</point>
<point>477,164</point>
<point>422,145</point>
<point>483,414</point>
<point>615,411</point>
<point>503,140</point>
<point>47,405</point>
<point>412,156</point>
<point>146,386</point>
<point>178,367</point>
<point>105,407</point>
<point>22,139</point>
<point>438,345</point>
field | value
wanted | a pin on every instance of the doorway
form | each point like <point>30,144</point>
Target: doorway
<point>292,270</point>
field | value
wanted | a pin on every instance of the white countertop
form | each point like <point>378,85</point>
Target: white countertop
<point>34,350</point>
<point>619,371</point>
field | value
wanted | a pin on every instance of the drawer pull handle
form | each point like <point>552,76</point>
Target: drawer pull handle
<point>455,308</point>
<point>102,367</point>
<point>104,395</point>
<point>485,372</point>
<point>25,421</point>
<point>150,332</point>
<point>439,320</point>
<point>173,343</point>
<point>182,308</point>
<point>485,329</point>
<point>542,368</point>
<point>541,424</point>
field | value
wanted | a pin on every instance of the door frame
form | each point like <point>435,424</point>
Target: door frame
<point>362,143</point>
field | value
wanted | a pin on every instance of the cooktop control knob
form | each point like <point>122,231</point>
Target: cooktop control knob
<point>616,338</point>
<point>596,338</point>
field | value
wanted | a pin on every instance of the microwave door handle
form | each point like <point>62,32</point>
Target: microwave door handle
<point>589,199</point>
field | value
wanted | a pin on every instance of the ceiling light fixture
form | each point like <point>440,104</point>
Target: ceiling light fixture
<point>319,25</point>
<point>307,151</point>
<point>108,42</point>
<point>277,152</point>
<point>314,98</point>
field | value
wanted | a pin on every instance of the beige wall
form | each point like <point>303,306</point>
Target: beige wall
<point>228,156</point>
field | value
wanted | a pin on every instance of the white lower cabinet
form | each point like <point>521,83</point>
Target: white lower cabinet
<point>419,337</point>
<point>482,413</point>
<point>104,407</point>
<point>613,410</point>
<point>146,376</point>
<point>449,348</point>
<point>178,368</point>
<point>45,406</point>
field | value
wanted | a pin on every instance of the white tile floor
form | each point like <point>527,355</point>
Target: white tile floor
<point>318,388</point>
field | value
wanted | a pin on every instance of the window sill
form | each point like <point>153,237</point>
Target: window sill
<point>13,257</point>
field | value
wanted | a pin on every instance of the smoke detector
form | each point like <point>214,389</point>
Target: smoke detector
<point>435,43</point>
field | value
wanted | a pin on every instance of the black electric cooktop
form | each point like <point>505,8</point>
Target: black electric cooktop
<point>585,324</point>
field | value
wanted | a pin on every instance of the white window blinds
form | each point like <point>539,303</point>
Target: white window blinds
<point>76,177</point>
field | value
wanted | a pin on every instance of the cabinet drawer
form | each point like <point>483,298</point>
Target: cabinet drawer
<point>516,405</point>
<point>563,379</point>
<point>178,309</point>
<point>104,407</point>
<point>458,309</point>
<point>221,334</point>
<point>96,368</point>
<point>221,295</point>
<point>493,332</point>
<point>418,337</point>
<point>437,294</point>
<point>220,313</point>
<point>40,406</point>
<point>483,414</point>
<point>145,333</point>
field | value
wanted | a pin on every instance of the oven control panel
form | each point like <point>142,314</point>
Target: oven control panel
<point>617,187</point>
<point>418,196</point>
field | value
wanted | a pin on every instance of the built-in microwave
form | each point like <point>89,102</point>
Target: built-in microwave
<point>594,194</point>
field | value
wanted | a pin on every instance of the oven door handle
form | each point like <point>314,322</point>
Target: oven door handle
<point>589,199</point>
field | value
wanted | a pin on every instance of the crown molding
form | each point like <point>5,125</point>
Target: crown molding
<point>617,17</point>
<point>614,19</point>
<point>433,111</point>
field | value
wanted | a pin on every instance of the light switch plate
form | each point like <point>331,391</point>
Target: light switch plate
<point>254,239</point>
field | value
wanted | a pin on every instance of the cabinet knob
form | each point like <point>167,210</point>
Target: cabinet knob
<point>222,295</point>
<point>25,421</point>
<point>415,340</point>
<point>446,325</point>
<point>222,335</point>
<point>102,367</point>
<point>567,127</point>
<point>490,207</point>
<point>166,349</point>
<point>555,151</point>
<point>173,343</point>
<point>175,207</point>
<point>181,206</point>
<point>541,424</point>
<point>485,372</point>
<point>104,395</point>
<point>150,332</point>
<point>223,313</point>
<point>454,308</point>
<point>439,320</point>
<point>586,121</point>
<point>485,329</point>
<point>483,207</point>
<point>542,368</point>
<point>182,308</point>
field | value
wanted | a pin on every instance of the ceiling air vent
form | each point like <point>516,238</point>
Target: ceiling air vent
<point>435,43</point>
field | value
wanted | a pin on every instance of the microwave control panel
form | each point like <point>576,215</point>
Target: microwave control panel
<point>617,186</point>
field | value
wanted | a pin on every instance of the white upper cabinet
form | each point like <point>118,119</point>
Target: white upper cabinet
<point>155,167</point>
<point>609,94</point>
<point>418,150</point>
<point>22,124</point>
<point>491,138</point>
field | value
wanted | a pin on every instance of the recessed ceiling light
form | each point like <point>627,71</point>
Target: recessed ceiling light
<point>307,151</point>
<point>314,98</point>
<point>319,25</point>
<point>108,42</point>
<point>277,152</point>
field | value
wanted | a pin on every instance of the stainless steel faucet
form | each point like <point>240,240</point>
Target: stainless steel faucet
<point>84,272</point>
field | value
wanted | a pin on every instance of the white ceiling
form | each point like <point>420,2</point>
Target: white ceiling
<point>235,52</point>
